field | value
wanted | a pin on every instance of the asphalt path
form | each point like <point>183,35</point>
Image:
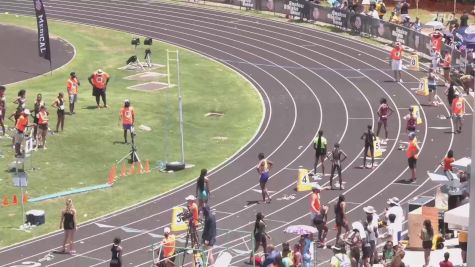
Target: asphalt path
<point>309,80</point>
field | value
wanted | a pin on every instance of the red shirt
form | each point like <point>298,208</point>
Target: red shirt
<point>315,203</point>
<point>21,123</point>
<point>396,53</point>
<point>127,115</point>
<point>448,164</point>
<point>445,264</point>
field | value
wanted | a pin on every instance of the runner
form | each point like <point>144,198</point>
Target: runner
<point>340,218</point>
<point>432,86</point>
<point>21,99</point>
<point>72,86</point>
<point>450,92</point>
<point>336,158</point>
<point>42,128</point>
<point>458,110</point>
<point>263,168</point>
<point>369,137</point>
<point>59,105</point>
<point>69,224</point>
<point>260,236</point>
<point>116,250</point>
<point>396,61</point>
<point>3,107</point>
<point>411,121</point>
<point>320,146</point>
<point>202,189</point>
<point>384,111</point>
<point>412,154</point>
<point>127,117</point>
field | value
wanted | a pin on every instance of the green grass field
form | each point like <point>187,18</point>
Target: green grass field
<point>83,154</point>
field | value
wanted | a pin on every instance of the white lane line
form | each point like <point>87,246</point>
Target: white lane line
<point>360,118</point>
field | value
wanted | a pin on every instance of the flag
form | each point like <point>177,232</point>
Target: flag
<point>43,34</point>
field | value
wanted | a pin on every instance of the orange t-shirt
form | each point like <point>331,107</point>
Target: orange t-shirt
<point>127,115</point>
<point>43,118</point>
<point>447,61</point>
<point>99,80</point>
<point>448,163</point>
<point>458,106</point>
<point>21,123</point>
<point>315,203</point>
<point>412,149</point>
<point>396,53</point>
<point>169,246</point>
<point>72,85</point>
<point>194,211</point>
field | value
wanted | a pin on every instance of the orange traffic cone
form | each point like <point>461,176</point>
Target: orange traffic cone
<point>111,178</point>
<point>123,171</point>
<point>139,167</point>
<point>132,169</point>
<point>5,201</point>
<point>14,200</point>
<point>147,167</point>
<point>25,198</point>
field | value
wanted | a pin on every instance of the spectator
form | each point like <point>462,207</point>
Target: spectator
<point>432,86</point>
<point>388,253</point>
<point>355,256</point>
<point>463,238</point>
<point>405,9</point>
<point>116,249</point>
<point>272,256</point>
<point>435,59</point>
<point>209,233</point>
<point>450,92</point>
<point>392,228</point>
<point>307,249</point>
<point>394,18</point>
<point>464,20</point>
<point>3,107</point>
<point>340,259</point>
<point>372,231</point>
<point>167,255</point>
<point>297,255</point>
<point>396,209</point>
<point>397,259</point>
<point>286,255</point>
<point>417,26</point>
<point>373,13</point>
<point>446,262</point>
<point>366,247</point>
<point>381,8</point>
<point>320,223</point>
<point>59,105</point>
<point>412,154</point>
<point>447,162</point>
<point>397,8</point>
<point>427,234</point>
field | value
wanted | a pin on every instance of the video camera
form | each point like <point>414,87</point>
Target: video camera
<point>185,215</point>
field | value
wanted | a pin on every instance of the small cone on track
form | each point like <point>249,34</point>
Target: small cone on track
<point>123,171</point>
<point>25,198</point>
<point>14,200</point>
<point>147,166</point>
<point>132,169</point>
<point>139,168</point>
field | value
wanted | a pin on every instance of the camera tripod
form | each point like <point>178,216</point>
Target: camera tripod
<point>136,62</point>
<point>133,154</point>
<point>191,235</point>
<point>148,58</point>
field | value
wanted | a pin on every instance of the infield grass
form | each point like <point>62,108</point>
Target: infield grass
<point>83,154</point>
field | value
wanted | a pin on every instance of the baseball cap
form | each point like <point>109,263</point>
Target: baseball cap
<point>316,186</point>
<point>72,73</point>
<point>369,209</point>
<point>166,230</point>
<point>412,135</point>
<point>26,111</point>
<point>99,71</point>
<point>190,198</point>
<point>126,101</point>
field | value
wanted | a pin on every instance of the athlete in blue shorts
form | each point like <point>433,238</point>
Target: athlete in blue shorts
<point>263,169</point>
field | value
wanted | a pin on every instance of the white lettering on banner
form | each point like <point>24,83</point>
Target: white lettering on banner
<point>28,264</point>
<point>400,35</point>
<point>247,3</point>
<point>41,34</point>
<point>337,17</point>
<point>294,8</point>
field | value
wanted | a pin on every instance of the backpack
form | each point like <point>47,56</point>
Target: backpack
<point>383,8</point>
<point>344,262</point>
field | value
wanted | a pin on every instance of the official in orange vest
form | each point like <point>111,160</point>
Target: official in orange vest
<point>396,61</point>
<point>72,84</point>
<point>193,221</point>
<point>167,255</point>
<point>127,117</point>
<point>99,81</point>
<point>42,117</point>
<point>412,154</point>
<point>20,126</point>
<point>458,110</point>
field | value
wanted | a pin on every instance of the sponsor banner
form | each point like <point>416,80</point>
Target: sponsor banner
<point>43,33</point>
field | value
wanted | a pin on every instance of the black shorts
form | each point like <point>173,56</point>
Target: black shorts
<point>98,92</point>
<point>367,252</point>
<point>320,153</point>
<point>412,162</point>
<point>463,246</point>
<point>432,87</point>
<point>427,244</point>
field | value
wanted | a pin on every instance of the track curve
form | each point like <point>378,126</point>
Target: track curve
<point>309,80</point>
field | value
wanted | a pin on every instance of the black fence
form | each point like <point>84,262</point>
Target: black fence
<point>349,20</point>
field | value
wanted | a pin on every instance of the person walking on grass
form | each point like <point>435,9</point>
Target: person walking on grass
<point>59,105</point>
<point>69,224</point>
<point>412,154</point>
<point>320,146</point>
<point>458,110</point>
<point>202,189</point>
<point>384,111</point>
<point>263,169</point>
<point>341,220</point>
<point>72,85</point>
<point>369,137</point>
<point>127,118</point>
<point>426,235</point>
<point>116,250</point>
<point>337,156</point>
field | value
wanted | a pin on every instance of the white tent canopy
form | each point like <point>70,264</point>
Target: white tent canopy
<point>457,217</point>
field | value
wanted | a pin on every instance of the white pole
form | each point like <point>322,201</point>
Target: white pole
<point>180,108</point>
<point>417,8</point>
<point>471,219</point>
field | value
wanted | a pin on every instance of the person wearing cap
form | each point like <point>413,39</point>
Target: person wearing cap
<point>372,233</point>
<point>458,110</point>
<point>99,80</point>
<point>59,105</point>
<point>167,252</point>
<point>339,258</point>
<point>208,236</point>
<point>412,154</point>
<point>194,220</point>
<point>396,61</point>
<point>315,205</point>
<point>263,168</point>
<point>72,85</point>
<point>336,156</point>
<point>127,117</point>
<point>20,126</point>
<point>396,209</point>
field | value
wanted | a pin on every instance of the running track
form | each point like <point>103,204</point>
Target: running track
<point>308,80</point>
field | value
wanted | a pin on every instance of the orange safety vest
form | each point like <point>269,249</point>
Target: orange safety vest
<point>99,80</point>
<point>127,115</point>
<point>412,148</point>
<point>169,246</point>
<point>194,211</point>
<point>72,85</point>
<point>43,118</point>
<point>396,53</point>
<point>458,106</point>
<point>21,123</point>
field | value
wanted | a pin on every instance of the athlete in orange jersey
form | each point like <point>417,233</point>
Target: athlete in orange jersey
<point>412,154</point>
<point>72,84</point>
<point>127,117</point>
<point>396,61</point>
<point>20,126</point>
<point>99,81</point>
<point>458,110</point>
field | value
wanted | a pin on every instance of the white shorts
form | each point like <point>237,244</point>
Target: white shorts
<point>396,64</point>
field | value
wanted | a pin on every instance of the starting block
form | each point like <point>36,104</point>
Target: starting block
<point>378,152</point>
<point>177,223</point>
<point>413,62</point>
<point>303,180</point>
<point>417,113</point>
<point>423,89</point>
